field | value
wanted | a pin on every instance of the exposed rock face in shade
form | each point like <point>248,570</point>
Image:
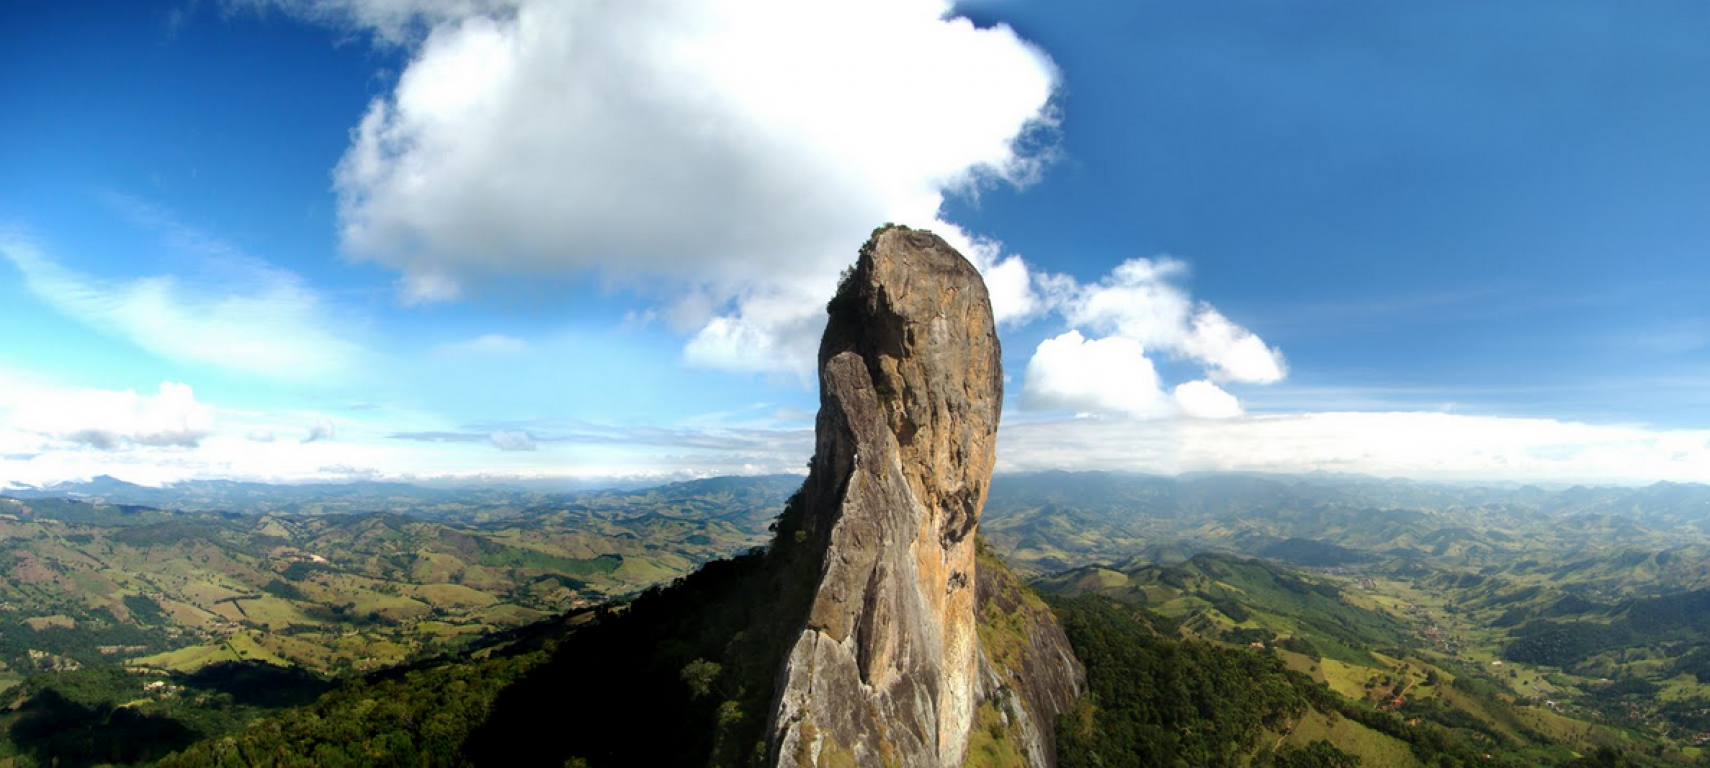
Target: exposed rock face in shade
<point>889,667</point>
<point>1032,675</point>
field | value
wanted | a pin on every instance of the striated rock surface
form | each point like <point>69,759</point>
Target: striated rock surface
<point>893,664</point>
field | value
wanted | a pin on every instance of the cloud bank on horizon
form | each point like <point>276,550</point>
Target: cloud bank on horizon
<point>53,434</point>
<point>661,149</point>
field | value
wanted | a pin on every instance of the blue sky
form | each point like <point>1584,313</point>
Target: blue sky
<point>318,239</point>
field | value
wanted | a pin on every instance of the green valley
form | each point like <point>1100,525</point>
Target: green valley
<point>1388,622</point>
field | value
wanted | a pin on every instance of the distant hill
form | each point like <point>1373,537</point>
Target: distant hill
<point>85,582</point>
<point>1111,498</point>
<point>371,496</point>
<point>1050,521</point>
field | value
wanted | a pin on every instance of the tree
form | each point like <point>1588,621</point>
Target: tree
<point>1318,754</point>
<point>701,676</point>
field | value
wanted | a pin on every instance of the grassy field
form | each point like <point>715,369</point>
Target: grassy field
<point>1373,748</point>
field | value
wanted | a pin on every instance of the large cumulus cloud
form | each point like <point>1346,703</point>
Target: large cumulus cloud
<point>728,156</point>
<point>725,159</point>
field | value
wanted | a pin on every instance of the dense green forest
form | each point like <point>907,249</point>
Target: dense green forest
<point>111,715</point>
<point>1153,700</point>
<point>416,718</point>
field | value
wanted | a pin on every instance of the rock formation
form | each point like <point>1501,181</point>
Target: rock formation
<point>890,667</point>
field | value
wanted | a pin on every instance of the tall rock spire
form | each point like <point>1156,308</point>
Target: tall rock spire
<point>888,669</point>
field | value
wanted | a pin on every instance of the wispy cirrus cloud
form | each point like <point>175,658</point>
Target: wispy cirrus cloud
<point>244,315</point>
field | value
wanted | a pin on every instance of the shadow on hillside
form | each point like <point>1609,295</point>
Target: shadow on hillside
<point>259,684</point>
<point>57,731</point>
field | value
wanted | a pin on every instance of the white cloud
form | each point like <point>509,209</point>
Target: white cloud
<point>1099,375</point>
<point>1010,284</point>
<point>1136,300</point>
<point>775,330</point>
<point>1205,400</point>
<point>1113,375</point>
<point>742,150</point>
<point>251,318</point>
<point>1140,305</point>
<point>1139,300</point>
<point>51,432</point>
<point>111,420</point>
<point>1233,353</point>
<point>1009,279</point>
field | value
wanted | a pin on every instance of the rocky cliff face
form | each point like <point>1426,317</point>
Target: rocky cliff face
<point>889,667</point>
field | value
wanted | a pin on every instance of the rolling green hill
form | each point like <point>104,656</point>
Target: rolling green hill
<point>1530,624</point>
<point>1562,617</point>
<point>1245,601</point>
<point>91,583</point>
